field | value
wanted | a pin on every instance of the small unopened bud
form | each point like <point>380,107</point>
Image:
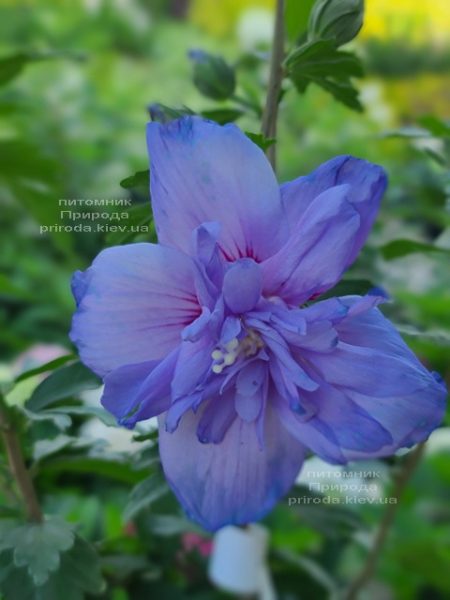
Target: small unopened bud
<point>336,20</point>
<point>213,77</point>
<point>163,114</point>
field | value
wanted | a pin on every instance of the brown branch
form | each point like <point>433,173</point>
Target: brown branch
<point>270,114</point>
<point>369,568</point>
<point>17,465</point>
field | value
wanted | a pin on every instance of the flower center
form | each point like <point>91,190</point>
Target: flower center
<point>227,356</point>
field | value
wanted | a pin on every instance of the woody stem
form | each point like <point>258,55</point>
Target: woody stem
<point>368,571</point>
<point>270,114</point>
<point>17,465</point>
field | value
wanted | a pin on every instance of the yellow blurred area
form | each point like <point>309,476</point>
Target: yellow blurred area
<point>420,95</point>
<point>219,17</point>
<point>416,20</point>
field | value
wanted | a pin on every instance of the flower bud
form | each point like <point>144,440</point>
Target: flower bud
<point>163,114</point>
<point>213,77</point>
<point>336,20</point>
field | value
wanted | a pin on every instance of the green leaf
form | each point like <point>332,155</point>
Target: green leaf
<point>260,140</point>
<point>139,182</point>
<point>222,115</point>
<point>63,383</point>
<point>349,287</point>
<point>37,546</point>
<point>313,568</point>
<point>146,458</point>
<point>78,574</point>
<point>11,67</point>
<point>15,583</point>
<point>98,467</point>
<point>121,566</point>
<point>7,512</point>
<point>168,525</point>
<point>11,291</point>
<point>80,568</point>
<point>432,127</point>
<point>321,63</point>
<point>333,520</point>
<point>321,58</point>
<point>439,337</point>
<point>6,526</point>
<point>89,411</point>
<point>49,366</point>
<point>60,420</point>
<point>138,216</point>
<point>342,91</point>
<point>435,156</point>
<point>148,436</point>
<point>251,98</point>
<point>144,494</point>
<point>33,179</point>
<point>43,448</point>
<point>399,248</point>
<point>437,127</point>
<point>409,131</point>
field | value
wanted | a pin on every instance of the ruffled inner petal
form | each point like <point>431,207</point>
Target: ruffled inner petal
<point>316,254</point>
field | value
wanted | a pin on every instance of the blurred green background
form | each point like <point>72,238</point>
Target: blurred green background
<point>77,78</point>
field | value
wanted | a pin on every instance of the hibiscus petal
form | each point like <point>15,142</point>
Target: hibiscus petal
<point>234,482</point>
<point>337,427</point>
<point>409,418</point>
<point>316,254</point>
<point>281,354</point>
<point>194,331</point>
<point>370,371</point>
<point>367,184</point>
<point>248,407</point>
<point>353,427</point>
<point>375,385</point>
<point>194,363</point>
<point>137,392</point>
<point>242,285</point>
<point>216,419</point>
<point>178,409</point>
<point>316,435</point>
<point>320,337</point>
<point>249,390</point>
<point>200,172</point>
<point>332,309</point>
<point>122,387</point>
<point>251,377</point>
<point>208,275</point>
<point>231,328</point>
<point>133,303</point>
<point>410,412</point>
<point>366,326</point>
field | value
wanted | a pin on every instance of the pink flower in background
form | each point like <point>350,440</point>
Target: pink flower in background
<point>193,541</point>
